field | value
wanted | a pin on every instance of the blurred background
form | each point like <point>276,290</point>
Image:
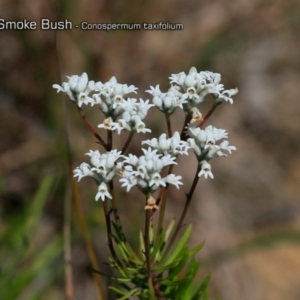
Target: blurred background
<point>248,215</point>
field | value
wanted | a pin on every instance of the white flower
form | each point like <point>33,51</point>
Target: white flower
<point>225,146</point>
<point>103,192</point>
<point>156,180</point>
<point>145,171</point>
<point>143,108</point>
<point>128,182</point>
<point>95,157</point>
<point>173,179</point>
<point>154,91</point>
<point>78,84</point>
<point>172,146</point>
<point>65,89</point>
<point>105,165</point>
<point>141,127</point>
<point>195,86</point>
<point>196,148</point>
<point>83,98</point>
<point>205,142</point>
<point>226,95</point>
<point>120,125</point>
<point>205,170</point>
<point>131,159</point>
<point>77,88</point>
<point>167,102</point>
<point>82,171</point>
<point>132,115</point>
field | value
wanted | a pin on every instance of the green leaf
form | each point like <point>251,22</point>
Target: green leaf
<point>142,244</point>
<point>180,245</point>
<point>196,249</point>
<point>165,267</point>
<point>125,295</point>
<point>151,234</point>
<point>201,290</point>
<point>176,282</point>
<point>151,289</point>
<point>116,290</point>
<point>157,247</point>
<point>169,230</point>
<point>17,238</point>
<point>174,271</point>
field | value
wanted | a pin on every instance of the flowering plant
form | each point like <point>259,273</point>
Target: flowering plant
<point>161,268</point>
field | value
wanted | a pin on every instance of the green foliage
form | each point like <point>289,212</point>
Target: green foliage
<point>23,264</point>
<point>173,274</point>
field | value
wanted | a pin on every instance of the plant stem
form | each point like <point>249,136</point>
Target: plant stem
<point>127,142</point>
<point>183,130</point>
<point>210,112</point>
<point>109,140</point>
<point>115,211</point>
<point>107,213</point>
<point>169,127</point>
<point>162,196</point>
<point>146,241</point>
<point>112,191</point>
<point>185,209</point>
<point>91,128</point>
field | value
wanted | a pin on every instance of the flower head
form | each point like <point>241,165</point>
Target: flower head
<point>172,146</point>
<point>167,102</point>
<point>77,88</point>
<point>133,114</point>
<point>145,171</point>
<point>104,167</point>
<point>205,170</point>
<point>103,192</point>
<point>205,142</point>
<point>194,86</point>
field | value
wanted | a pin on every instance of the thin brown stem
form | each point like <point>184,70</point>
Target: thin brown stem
<point>92,129</point>
<point>210,112</point>
<point>146,241</point>
<point>107,213</point>
<point>127,142</point>
<point>183,130</point>
<point>109,140</point>
<point>115,210</point>
<point>185,209</point>
<point>169,127</point>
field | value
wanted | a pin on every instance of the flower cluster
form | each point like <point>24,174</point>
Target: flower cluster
<point>189,90</point>
<point>172,146</point>
<point>104,168</point>
<point>110,98</point>
<point>77,89</point>
<point>131,119</point>
<point>167,102</point>
<point>204,144</point>
<point>145,171</point>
